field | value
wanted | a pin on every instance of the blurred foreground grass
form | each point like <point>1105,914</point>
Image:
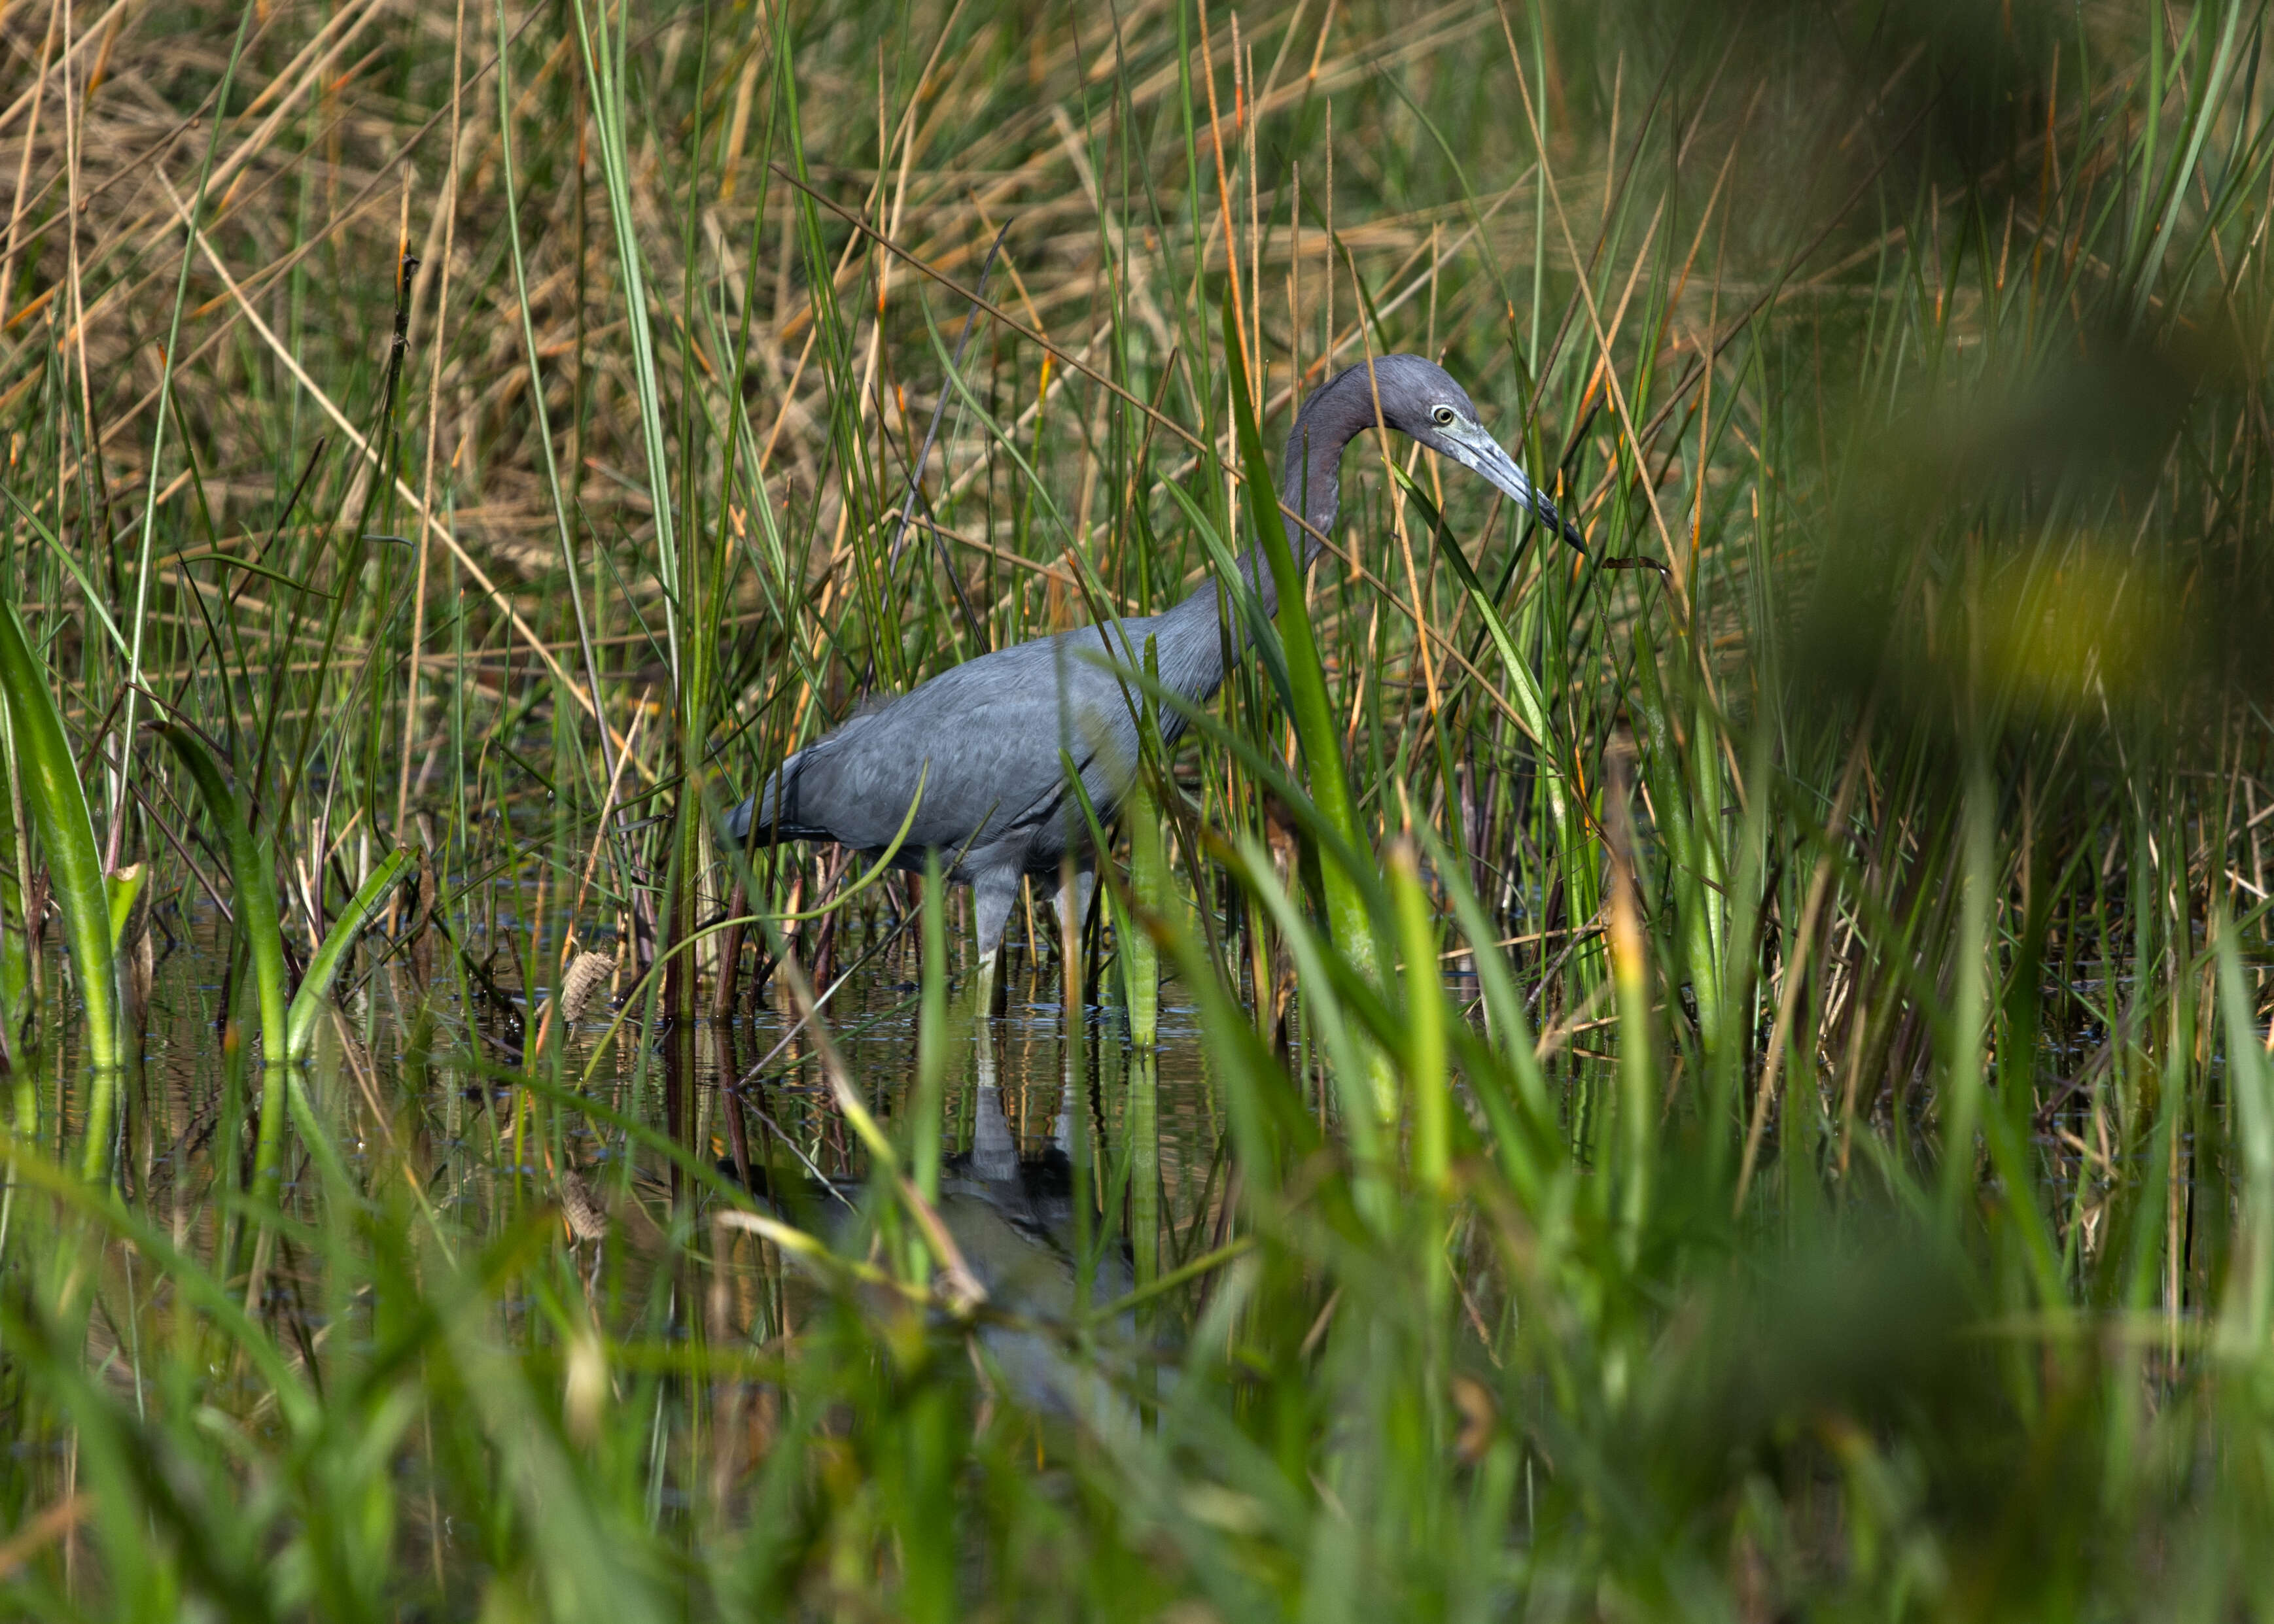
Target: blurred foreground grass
<point>1797,1140</point>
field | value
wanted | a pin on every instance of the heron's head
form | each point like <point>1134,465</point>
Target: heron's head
<point>1420,398</point>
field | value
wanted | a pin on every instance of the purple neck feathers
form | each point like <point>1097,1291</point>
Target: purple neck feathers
<point>1310,480</point>
<point>1310,485</point>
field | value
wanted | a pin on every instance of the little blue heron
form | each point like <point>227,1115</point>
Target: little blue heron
<point>985,737</point>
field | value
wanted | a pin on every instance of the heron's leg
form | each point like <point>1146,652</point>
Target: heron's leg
<point>1074,888</point>
<point>994,892</point>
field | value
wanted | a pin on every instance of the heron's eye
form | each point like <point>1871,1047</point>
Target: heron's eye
<point>1444,417</point>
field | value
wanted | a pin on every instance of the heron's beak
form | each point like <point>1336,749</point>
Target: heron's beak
<point>1481,453</point>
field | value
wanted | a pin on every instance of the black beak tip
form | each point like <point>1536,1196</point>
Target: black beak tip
<point>1561,525</point>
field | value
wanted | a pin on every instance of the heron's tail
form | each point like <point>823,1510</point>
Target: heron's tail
<point>764,809</point>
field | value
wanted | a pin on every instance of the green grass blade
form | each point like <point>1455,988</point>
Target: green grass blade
<point>307,1003</point>
<point>1347,915</point>
<point>252,875</point>
<point>59,811</point>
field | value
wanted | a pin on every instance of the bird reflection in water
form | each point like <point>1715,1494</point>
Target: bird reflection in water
<point>1013,1220</point>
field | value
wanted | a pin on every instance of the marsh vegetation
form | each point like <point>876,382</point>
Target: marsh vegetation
<point>1729,1078</point>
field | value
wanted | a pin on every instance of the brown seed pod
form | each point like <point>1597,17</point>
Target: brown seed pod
<point>588,974</point>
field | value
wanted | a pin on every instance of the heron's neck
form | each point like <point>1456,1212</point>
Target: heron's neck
<point>1309,484</point>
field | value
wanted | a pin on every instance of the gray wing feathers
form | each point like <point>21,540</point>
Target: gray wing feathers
<point>982,739</point>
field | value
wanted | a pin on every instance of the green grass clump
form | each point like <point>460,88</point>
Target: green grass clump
<point>1729,1080</point>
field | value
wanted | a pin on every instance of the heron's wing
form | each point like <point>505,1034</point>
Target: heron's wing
<point>984,739</point>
